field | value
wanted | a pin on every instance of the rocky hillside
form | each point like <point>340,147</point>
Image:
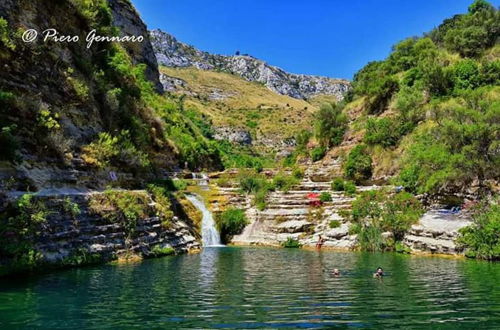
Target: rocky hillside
<point>173,53</point>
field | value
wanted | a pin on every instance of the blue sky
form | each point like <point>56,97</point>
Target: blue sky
<point>323,37</point>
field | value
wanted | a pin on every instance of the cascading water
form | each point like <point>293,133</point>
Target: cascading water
<point>209,234</point>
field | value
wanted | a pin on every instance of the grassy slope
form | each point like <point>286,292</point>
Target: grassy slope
<point>249,105</point>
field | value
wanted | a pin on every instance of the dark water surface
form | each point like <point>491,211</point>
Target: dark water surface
<point>259,288</point>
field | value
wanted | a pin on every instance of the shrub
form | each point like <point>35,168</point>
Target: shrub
<point>302,139</point>
<point>163,206</point>
<point>21,224</point>
<point>158,251</point>
<point>108,148</point>
<point>370,239</point>
<point>349,188</point>
<point>8,143</point>
<point>334,224</point>
<point>330,125</point>
<point>231,222</point>
<point>48,120</point>
<point>291,243</point>
<point>338,184</point>
<point>5,36</point>
<point>378,211</point>
<point>284,182</point>
<point>386,131</point>
<point>358,165</point>
<point>317,153</point>
<point>298,173</point>
<point>71,208</point>
<point>325,197</point>
<point>124,207</point>
<point>400,212</point>
<point>481,239</point>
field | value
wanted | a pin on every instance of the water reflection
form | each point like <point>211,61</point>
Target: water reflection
<point>259,287</point>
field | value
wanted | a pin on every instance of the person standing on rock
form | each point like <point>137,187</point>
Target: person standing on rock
<point>320,242</point>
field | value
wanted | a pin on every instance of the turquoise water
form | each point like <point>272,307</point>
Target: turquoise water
<point>259,288</point>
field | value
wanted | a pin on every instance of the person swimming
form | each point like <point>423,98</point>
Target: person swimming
<point>336,272</point>
<point>379,272</point>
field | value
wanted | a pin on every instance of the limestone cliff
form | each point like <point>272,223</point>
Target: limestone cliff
<point>173,53</point>
<point>57,97</point>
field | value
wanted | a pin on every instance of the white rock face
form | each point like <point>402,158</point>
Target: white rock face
<point>172,53</point>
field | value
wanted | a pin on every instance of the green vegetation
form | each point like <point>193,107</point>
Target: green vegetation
<point>121,206</point>
<point>71,208</point>
<point>284,182</point>
<point>338,184</point>
<point>482,239</point>
<point>114,149</point>
<point>21,224</point>
<point>81,256</point>
<point>231,222</point>
<point>330,125</point>
<point>334,224</point>
<point>374,212</point>
<point>161,196</point>
<point>8,143</point>
<point>5,35</point>
<point>291,243</point>
<point>158,251</point>
<point>317,153</point>
<point>358,165</point>
<point>325,197</point>
<point>434,104</point>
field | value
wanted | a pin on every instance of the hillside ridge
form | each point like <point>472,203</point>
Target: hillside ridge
<point>172,53</point>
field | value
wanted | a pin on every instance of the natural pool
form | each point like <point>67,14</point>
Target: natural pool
<point>233,287</point>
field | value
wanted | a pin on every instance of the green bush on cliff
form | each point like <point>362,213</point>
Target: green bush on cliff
<point>108,149</point>
<point>8,143</point>
<point>5,34</point>
<point>458,148</point>
<point>163,206</point>
<point>374,212</point>
<point>122,206</point>
<point>317,153</point>
<point>330,125</point>
<point>358,164</point>
<point>231,222</point>
<point>284,182</point>
<point>338,184</point>
<point>158,251</point>
<point>291,243</point>
<point>19,226</point>
<point>325,197</point>
<point>482,239</point>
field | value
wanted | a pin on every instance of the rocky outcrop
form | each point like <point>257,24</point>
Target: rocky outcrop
<point>436,232</point>
<point>73,238</point>
<point>288,214</point>
<point>126,18</point>
<point>173,53</point>
<point>233,135</point>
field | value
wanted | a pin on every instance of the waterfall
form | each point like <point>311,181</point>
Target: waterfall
<point>201,178</point>
<point>209,234</point>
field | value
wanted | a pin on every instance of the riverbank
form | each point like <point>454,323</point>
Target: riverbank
<point>95,227</point>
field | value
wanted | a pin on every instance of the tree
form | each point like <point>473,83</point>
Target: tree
<point>479,5</point>
<point>399,213</point>
<point>330,125</point>
<point>482,238</point>
<point>358,165</point>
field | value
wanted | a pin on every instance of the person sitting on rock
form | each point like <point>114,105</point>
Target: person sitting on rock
<point>378,273</point>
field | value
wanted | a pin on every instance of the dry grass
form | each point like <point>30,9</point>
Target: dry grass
<point>247,105</point>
